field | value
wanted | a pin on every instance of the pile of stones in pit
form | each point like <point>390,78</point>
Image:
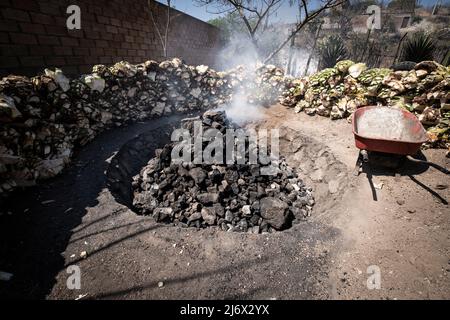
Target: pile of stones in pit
<point>233,197</point>
<point>43,119</point>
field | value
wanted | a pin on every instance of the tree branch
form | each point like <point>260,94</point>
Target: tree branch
<point>308,17</point>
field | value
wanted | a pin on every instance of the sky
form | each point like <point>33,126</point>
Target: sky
<point>286,13</point>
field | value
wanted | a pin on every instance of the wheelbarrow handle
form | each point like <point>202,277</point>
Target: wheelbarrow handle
<point>434,165</point>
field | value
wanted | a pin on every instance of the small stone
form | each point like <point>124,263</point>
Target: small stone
<point>229,216</point>
<point>208,215</point>
<point>246,210</point>
<point>198,174</point>
<point>208,198</point>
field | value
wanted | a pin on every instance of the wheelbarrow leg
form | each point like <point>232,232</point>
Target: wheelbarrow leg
<point>363,157</point>
<point>358,165</point>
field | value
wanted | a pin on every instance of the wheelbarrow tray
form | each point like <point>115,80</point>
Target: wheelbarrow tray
<point>411,142</point>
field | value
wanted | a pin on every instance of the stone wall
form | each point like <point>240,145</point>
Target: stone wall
<point>45,118</point>
<point>34,36</point>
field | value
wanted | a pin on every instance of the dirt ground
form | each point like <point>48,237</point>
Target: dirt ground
<point>404,232</point>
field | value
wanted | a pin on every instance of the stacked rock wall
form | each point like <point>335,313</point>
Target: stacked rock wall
<point>423,89</point>
<point>45,118</point>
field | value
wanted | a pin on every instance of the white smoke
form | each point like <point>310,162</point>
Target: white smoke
<point>241,111</point>
<point>240,51</point>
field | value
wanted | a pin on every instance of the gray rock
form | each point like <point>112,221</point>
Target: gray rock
<point>229,216</point>
<point>246,211</point>
<point>161,214</point>
<point>275,212</point>
<point>208,215</point>
<point>198,174</point>
<point>195,216</point>
<point>208,198</point>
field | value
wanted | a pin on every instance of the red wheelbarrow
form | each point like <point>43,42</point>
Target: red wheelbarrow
<point>390,131</point>
<point>387,130</point>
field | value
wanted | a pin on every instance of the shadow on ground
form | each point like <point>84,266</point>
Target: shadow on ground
<point>35,235</point>
<point>398,166</point>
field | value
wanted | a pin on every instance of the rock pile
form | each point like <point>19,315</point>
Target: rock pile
<point>235,197</point>
<point>337,92</point>
<point>44,118</point>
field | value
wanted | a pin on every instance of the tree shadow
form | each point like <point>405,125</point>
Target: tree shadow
<point>113,243</point>
<point>167,283</point>
<point>34,237</point>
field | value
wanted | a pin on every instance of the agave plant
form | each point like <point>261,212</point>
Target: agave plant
<point>419,47</point>
<point>331,51</point>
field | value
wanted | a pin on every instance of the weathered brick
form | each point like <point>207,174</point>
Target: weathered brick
<point>106,60</point>
<point>42,18</point>
<point>63,51</point>
<point>15,14</point>
<point>71,70</point>
<point>116,22</point>
<point>76,33</point>
<point>118,38</point>
<point>41,50</point>
<point>95,9</point>
<point>85,69</point>
<point>56,30</point>
<point>81,51</point>
<point>103,20</point>
<point>33,61</point>
<point>55,61</point>
<point>22,38</point>
<point>87,43</point>
<point>32,28</point>
<point>111,29</point>
<point>92,34</point>
<point>122,52</point>
<point>107,36</point>
<point>69,42</point>
<point>4,37</point>
<point>11,62</point>
<point>75,60</point>
<point>9,25</point>
<point>127,45</point>
<point>26,4</point>
<point>50,8</point>
<point>101,43</point>
<point>13,50</point>
<point>6,3</point>
<point>48,40</point>
<point>97,51</point>
<point>92,60</point>
<point>126,24</point>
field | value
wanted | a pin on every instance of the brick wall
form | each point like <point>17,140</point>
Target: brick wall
<point>33,35</point>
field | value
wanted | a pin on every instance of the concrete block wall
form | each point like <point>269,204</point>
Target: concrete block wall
<point>34,36</point>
